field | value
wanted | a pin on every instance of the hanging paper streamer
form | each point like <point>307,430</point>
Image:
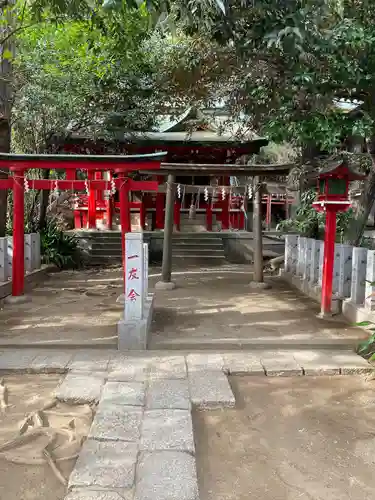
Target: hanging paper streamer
<point>56,189</point>
<point>223,193</point>
<point>205,194</point>
<point>178,191</point>
<point>113,187</point>
<point>86,187</point>
<point>26,185</point>
<point>250,191</point>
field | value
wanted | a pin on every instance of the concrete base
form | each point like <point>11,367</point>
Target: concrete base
<point>259,285</point>
<point>165,285</point>
<point>311,290</point>
<point>21,299</point>
<point>133,335</point>
<point>356,313</point>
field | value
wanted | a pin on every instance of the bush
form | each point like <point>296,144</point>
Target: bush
<point>58,247</point>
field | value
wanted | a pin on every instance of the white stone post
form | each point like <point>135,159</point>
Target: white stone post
<point>134,278</point>
<point>370,279</point>
<point>3,260</point>
<point>10,255</point>
<point>36,251</point>
<point>301,256</point>
<point>358,284</point>
<point>321,260</point>
<point>316,250</point>
<point>28,253</point>
<point>145,270</point>
<point>307,259</point>
<point>345,270</point>
<point>291,253</point>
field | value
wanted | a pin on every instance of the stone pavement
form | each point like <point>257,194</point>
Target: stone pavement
<point>141,444</point>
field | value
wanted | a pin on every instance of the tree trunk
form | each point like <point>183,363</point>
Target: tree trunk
<point>4,148</point>
<point>363,206</point>
<point>5,112</point>
<point>44,197</point>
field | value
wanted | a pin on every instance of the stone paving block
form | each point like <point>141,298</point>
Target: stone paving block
<point>89,494</point>
<point>109,464</point>
<point>79,387</point>
<point>166,475</point>
<point>317,363</point>
<point>51,362</point>
<point>280,363</point>
<point>352,364</point>
<point>17,360</point>
<point>124,393</point>
<point>210,389</point>
<point>127,369</point>
<point>90,362</point>
<point>168,367</point>
<point>242,362</point>
<point>163,394</point>
<point>202,362</point>
<point>167,430</point>
<point>117,423</point>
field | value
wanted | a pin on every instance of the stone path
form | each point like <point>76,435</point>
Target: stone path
<point>141,444</point>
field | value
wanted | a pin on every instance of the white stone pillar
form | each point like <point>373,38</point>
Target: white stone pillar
<point>307,259</point>
<point>291,253</point>
<point>345,270</point>
<point>321,261</point>
<point>28,241</point>
<point>358,284</point>
<point>134,278</point>
<point>10,255</point>
<point>370,279</point>
<point>301,256</point>
<point>3,260</point>
<point>36,250</point>
<point>316,250</point>
<point>145,270</point>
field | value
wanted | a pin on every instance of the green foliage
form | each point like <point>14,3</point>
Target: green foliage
<point>310,223</point>
<point>58,248</point>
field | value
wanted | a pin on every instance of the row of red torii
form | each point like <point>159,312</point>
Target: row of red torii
<point>18,165</point>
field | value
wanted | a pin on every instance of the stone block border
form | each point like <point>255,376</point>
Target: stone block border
<point>141,446</point>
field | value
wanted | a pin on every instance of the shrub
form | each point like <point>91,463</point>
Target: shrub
<point>57,247</point>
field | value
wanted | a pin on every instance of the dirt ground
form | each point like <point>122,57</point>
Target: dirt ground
<point>28,394</point>
<point>289,439</point>
<point>220,308</point>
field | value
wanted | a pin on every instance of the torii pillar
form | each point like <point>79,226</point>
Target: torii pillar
<point>166,282</point>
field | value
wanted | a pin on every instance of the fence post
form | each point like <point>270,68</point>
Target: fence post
<point>345,270</point>
<point>358,285</point>
<point>4,268</point>
<point>28,253</point>
<point>36,250</point>
<point>307,259</point>
<point>301,256</point>
<point>291,253</point>
<point>316,249</point>
<point>370,278</point>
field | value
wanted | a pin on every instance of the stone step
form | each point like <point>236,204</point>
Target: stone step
<point>220,256</point>
<point>202,252</point>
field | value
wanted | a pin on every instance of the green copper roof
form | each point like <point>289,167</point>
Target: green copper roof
<point>83,158</point>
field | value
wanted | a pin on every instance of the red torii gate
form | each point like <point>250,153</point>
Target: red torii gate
<point>17,165</point>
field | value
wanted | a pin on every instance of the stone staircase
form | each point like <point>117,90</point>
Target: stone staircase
<point>101,248</point>
<point>201,248</point>
<point>197,224</point>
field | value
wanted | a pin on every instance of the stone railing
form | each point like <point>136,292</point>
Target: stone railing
<point>32,255</point>
<point>353,273</point>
